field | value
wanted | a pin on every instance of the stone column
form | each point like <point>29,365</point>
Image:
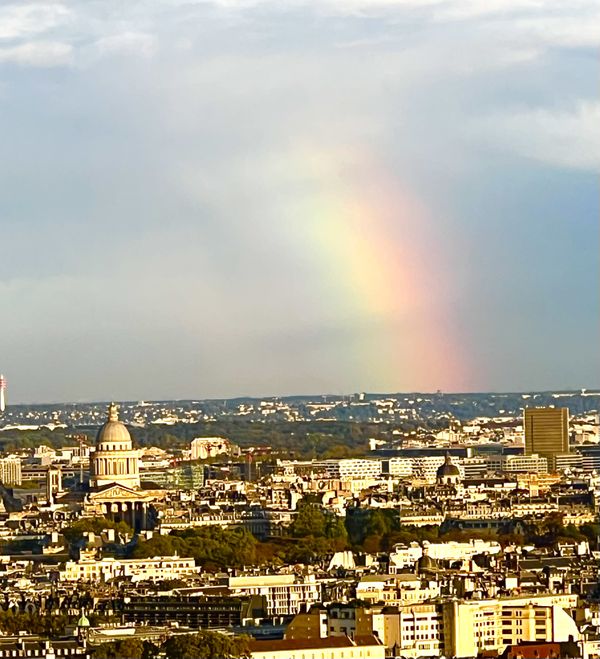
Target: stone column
<point>144,522</point>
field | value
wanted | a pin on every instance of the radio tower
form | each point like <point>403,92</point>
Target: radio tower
<point>2,390</point>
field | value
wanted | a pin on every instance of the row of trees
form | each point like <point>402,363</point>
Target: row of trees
<point>303,439</point>
<point>551,529</point>
<point>74,532</point>
<point>313,534</point>
<point>202,645</point>
<point>316,533</point>
<point>12,623</point>
<point>52,625</point>
<point>213,547</point>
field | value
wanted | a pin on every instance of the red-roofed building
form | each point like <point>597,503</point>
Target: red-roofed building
<point>567,650</point>
<point>332,647</point>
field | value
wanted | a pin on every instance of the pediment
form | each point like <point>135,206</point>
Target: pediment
<point>117,492</point>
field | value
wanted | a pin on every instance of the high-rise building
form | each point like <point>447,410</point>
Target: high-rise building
<point>546,431</point>
<point>10,471</point>
<point>2,390</point>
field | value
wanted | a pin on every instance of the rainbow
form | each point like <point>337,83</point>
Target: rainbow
<point>384,265</point>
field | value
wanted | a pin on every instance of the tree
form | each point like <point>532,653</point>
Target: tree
<point>74,532</point>
<point>13,622</point>
<point>308,550</point>
<point>313,520</point>
<point>213,547</point>
<point>372,544</point>
<point>378,523</point>
<point>206,645</point>
<point>591,532</point>
<point>129,648</point>
<point>335,529</point>
<point>309,520</point>
<point>552,524</point>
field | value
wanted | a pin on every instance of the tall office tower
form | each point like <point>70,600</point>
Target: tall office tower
<point>546,431</point>
<point>2,390</point>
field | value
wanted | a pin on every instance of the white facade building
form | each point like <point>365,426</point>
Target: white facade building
<point>158,568</point>
<point>459,551</point>
<point>10,471</point>
<point>285,593</point>
<point>209,447</point>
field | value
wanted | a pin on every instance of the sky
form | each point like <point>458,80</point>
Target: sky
<point>205,199</point>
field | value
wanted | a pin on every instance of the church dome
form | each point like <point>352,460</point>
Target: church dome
<point>83,621</point>
<point>113,431</point>
<point>447,469</point>
<point>427,564</point>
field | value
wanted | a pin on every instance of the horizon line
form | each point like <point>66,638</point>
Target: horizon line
<point>582,391</point>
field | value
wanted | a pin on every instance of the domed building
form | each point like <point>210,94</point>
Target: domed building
<point>114,460</point>
<point>427,565</point>
<point>448,473</point>
<point>115,488</point>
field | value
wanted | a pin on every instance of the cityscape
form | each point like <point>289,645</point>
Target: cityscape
<point>299,329</point>
<point>422,525</point>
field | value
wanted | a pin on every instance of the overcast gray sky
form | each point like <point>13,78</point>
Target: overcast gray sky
<point>209,199</point>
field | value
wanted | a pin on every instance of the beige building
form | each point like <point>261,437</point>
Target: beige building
<point>546,431</point>
<point>285,593</point>
<point>531,463</point>
<point>158,568</point>
<point>10,471</point>
<point>209,447</point>
<point>466,628</point>
<point>333,647</point>
<point>395,589</point>
<point>475,626</point>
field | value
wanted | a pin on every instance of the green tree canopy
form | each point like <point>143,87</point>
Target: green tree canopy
<point>206,645</point>
<point>75,531</point>
<point>211,546</point>
<point>129,648</point>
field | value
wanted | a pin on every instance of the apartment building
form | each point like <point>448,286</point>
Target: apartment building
<point>404,556</point>
<point>285,594</point>
<point>135,569</point>
<point>10,471</point>
<point>412,631</point>
<point>466,628</point>
<point>344,469</point>
<point>534,464</point>
<point>395,589</point>
<point>471,627</point>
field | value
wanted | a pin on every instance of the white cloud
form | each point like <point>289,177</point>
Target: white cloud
<point>566,31</point>
<point>24,19</point>
<point>563,138</point>
<point>38,54</point>
<point>126,43</point>
<point>468,9</point>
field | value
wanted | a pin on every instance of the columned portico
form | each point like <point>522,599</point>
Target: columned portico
<point>122,505</point>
